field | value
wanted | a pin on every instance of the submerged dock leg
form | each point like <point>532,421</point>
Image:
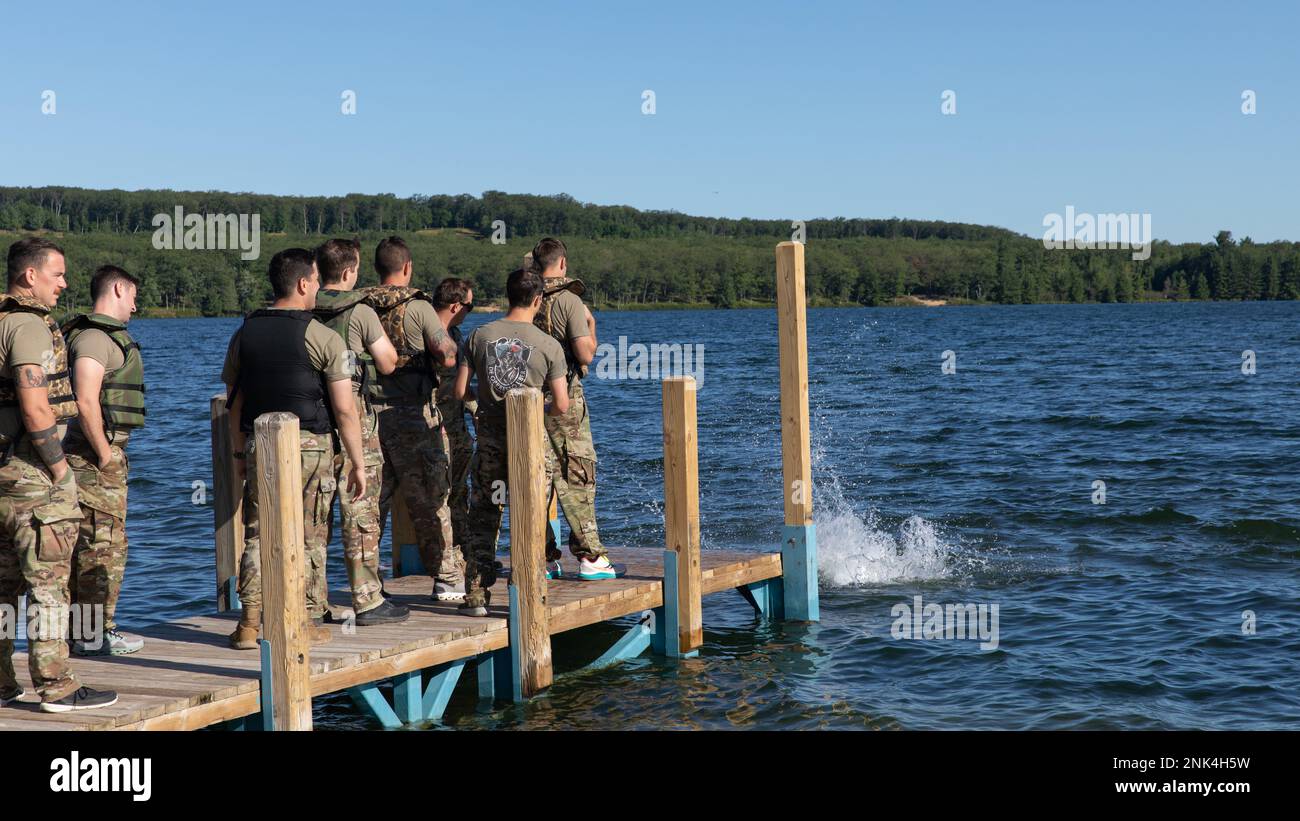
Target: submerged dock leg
<point>632,644</point>
<point>766,597</point>
<point>441,685</point>
<point>798,538</point>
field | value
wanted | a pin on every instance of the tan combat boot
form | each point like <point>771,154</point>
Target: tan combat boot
<point>245,635</point>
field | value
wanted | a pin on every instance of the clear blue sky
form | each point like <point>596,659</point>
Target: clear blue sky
<point>767,110</point>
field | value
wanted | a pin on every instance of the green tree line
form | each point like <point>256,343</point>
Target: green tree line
<point>700,261</point>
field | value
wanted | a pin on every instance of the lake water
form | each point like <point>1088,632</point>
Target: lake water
<point>1171,605</point>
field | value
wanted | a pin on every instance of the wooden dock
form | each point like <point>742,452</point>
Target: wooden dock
<point>187,677</point>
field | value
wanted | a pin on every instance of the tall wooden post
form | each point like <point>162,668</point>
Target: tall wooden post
<point>526,443</point>
<point>799,536</point>
<point>284,611</point>
<point>682,505</point>
<point>227,507</point>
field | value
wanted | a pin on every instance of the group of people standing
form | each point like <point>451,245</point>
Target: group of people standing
<point>381,380</point>
<point>70,397</point>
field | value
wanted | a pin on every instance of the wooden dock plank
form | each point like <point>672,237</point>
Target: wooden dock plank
<point>187,677</point>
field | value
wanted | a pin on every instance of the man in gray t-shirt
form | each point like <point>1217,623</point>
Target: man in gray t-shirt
<point>504,354</point>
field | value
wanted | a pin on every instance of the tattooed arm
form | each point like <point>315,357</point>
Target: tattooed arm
<point>440,346</point>
<point>38,417</point>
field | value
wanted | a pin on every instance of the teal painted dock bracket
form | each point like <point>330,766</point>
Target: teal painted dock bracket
<point>766,597</point>
<point>630,645</point>
<point>666,640</point>
<point>232,594</point>
<point>412,702</point>
<point>442,683</point>
<point>493,675</point>
<point>555,532</point>
<point>266,720</point>
<point>407,694</point>
<point>514,684</point>
<point>370,701</point>
<point>799,571</point>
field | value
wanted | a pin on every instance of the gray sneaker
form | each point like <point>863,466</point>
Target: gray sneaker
<point>449,591</point>
<point>114,643</point>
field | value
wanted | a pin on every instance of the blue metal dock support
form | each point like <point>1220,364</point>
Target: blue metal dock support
<point>799,572</point>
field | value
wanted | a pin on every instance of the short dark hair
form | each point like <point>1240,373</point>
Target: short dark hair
<point>105,276</point>
<point>547,252</point>
<point>391,255</point>
<point>29,252</point>
<point>522,287</point>
<point>335,256</point>
<point>450,291</point>
<point>289,266</point>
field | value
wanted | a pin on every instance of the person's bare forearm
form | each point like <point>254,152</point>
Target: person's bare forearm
<point>350,432</point>
<point>38,418</point>
<point>91,418</point>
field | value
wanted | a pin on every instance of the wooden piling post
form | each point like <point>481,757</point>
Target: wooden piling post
<point>527,480</point>
<point>799,539</point>
<point>284,612</point>
<point>682,504</point>
<point>227,506</point>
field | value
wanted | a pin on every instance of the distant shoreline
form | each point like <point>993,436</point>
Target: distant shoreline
<point>910,301</point>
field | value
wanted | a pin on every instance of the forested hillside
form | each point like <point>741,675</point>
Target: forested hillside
<point>630,257</point>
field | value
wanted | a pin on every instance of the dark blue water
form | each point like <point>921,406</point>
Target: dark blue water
<point>975,487</point>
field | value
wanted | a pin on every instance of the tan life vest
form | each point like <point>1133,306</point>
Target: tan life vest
<point>62,400</point>
<point>545,319</point>
<point>390,302</point>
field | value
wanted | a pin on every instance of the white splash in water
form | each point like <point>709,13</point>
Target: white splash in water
<point>853,551</point>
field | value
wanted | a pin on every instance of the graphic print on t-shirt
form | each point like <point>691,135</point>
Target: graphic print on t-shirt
<point>507,364</point>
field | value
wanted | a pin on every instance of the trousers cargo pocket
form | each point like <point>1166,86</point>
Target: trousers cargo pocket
<point>578,470</point>
<point>56,535</point>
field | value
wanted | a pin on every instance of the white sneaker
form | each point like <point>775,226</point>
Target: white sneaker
<point>113,643</point>
<point>448,591</point>
<point>600,568</point>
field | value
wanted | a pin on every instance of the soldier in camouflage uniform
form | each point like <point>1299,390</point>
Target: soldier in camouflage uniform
<point>453,299</point>
<point>108,377</point>
<point>502,355</point>
<point>282,360</point>
<point>39,515</point>
<point>415,446</point>
<point>572,457</point>
<point>345,312</point>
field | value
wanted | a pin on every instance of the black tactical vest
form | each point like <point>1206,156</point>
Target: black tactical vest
<point>275,371</point>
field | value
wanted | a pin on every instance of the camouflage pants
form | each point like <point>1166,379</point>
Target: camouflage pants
<point>462,450</point>
<point>38,532</point>
<point>99,563</point>
<point>489,473</point>
<point>317,494</point>
<point>360,519</point>
<point>416,461</point>
<point>571,462</point>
